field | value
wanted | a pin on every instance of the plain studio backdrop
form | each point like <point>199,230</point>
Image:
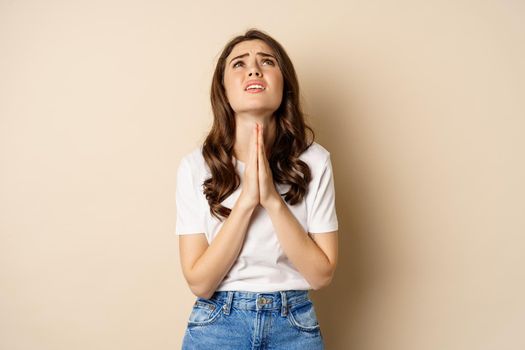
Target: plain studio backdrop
<point>421,104</point>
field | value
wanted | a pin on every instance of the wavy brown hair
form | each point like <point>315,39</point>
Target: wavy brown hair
<point>290,138</point>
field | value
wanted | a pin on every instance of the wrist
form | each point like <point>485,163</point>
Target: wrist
<point>274,204</point>
<point>244,203</point>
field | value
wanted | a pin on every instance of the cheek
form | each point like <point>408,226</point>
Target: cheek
<point>231,85</point>
<point>280,83</point>
<point>279,80</point>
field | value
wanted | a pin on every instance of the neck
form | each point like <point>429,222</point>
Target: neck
<point>245,123</point>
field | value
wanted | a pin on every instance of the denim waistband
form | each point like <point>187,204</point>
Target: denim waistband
<point>280,300</point>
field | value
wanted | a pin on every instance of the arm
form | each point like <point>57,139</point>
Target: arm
<point>315,260</point>
<point>204,266</point>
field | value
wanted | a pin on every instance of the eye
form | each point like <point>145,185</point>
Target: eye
<point>235,64</point>
<point>268,60</point>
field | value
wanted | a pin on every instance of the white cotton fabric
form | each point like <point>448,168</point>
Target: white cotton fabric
<point>262,265</point>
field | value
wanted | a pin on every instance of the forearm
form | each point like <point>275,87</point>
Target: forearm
<point>302,251</point>
<point>209,270</point>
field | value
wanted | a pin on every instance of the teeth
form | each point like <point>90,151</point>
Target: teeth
<point>251,87</point>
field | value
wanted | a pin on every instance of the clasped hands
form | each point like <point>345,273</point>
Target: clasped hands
<point>258,186</point>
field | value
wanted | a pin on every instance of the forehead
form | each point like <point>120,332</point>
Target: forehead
<point>251,47</point>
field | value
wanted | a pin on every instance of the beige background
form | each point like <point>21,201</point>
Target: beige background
<point>421,104</point>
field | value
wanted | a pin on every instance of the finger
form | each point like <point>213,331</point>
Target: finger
<point>260,150</point>
<point>253,146</point>
<point>257,131</point>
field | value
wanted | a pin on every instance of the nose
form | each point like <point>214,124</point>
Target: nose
<point>254,71</point>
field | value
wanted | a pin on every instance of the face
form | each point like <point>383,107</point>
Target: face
<point>257,63</point>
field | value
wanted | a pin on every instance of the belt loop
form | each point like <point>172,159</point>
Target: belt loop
<point>284,308</point>
<point>228,304</point>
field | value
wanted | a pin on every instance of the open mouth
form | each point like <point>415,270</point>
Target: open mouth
<point>255,86</point>
<point>253,89</point>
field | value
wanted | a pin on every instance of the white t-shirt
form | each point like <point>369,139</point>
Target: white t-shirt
<point>262,265</point>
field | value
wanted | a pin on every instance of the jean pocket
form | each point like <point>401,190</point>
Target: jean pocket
<point>304,318</point>
<point>204,312</point>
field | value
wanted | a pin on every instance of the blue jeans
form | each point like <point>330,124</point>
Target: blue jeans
<point>253,320</point>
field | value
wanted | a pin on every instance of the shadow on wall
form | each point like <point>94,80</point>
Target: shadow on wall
<point>331,110</point>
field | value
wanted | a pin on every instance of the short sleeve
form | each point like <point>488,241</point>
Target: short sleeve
<point>323,217</point>
<point>190,216</point>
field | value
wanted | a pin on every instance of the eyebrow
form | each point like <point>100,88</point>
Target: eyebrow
<point>264,54</point>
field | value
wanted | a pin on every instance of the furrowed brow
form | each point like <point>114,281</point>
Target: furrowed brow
<point>264,54</point>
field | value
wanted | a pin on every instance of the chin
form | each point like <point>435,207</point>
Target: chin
<point>256,108</point>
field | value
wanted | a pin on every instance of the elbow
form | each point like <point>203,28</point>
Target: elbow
<point>321,285</point>
<point>202,291</point>
<point>200,288</point>
<point>206,295</point>
<point>323,282</point>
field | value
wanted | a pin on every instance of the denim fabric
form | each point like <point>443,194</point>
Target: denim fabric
<point>244,320</point>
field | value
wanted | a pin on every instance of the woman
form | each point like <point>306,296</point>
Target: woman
<point>256,209</point>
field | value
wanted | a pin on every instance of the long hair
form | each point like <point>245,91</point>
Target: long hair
<point>290,139</point>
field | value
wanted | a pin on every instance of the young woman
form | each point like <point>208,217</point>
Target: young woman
<point>256,209</point>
